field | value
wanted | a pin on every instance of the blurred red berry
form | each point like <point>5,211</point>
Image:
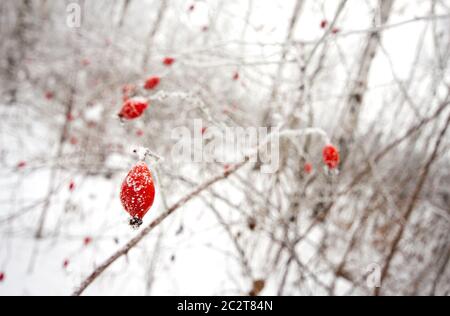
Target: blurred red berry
<point>330,156</point>
<point>236,76</point>
<point>21,164</point>
<point>2,276</point>
<point>133,108</point>
<point>335,30</point>
<point>323,24</point>
<point>192,7</point>
<point>204,130</point>
<point>87,241</point>
<point>85,62</point>
<point>70,117</point>
<point>205,28</point>
<point>151,83</point>
<point>66,263</point>
<point>308,168</point>
<point>73,140</point>
<point>71,186</point>
<point>49,95</point>
<point>168,61</point>
<point>137,192</point>
<point>139,133</point>
<point>91,124</point>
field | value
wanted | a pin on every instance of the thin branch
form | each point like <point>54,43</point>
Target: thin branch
<point>412,205</point>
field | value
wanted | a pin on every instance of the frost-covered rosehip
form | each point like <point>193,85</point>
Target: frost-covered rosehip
<point>133,108</point>
<point>151,83</point>
<point>138,193</point>
<point>331,156</point>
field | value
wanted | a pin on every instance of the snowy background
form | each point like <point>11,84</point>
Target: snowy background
<point>366,72</point>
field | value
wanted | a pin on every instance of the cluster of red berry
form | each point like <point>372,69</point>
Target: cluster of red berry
<point>324,25</point>
<point>138,190</point>
<point>330,157</point>
<point>86,242</point>
<point>133,108</point>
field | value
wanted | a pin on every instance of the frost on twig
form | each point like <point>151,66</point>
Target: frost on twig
<point>143,153</point>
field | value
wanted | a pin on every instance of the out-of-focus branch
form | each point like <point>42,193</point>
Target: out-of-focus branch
<point>411,206</point>
<point>360,83</point>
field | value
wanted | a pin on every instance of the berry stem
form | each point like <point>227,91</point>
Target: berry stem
<point>144,152</point>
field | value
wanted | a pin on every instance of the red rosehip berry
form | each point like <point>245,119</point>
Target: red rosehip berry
<point>49,95</point>
<point>308,168</point>
<point>236,76</point>
<point>71,186</point>
<point>168,61</point>
<point>151,83</point>
<point>191,7</point>
<point>204,129</point>
<point>70,117</point>
<point>138,193</point>
<point>73,140</point>
<point>21,164</point>
<point>87,241</point>
<point>66,263</point>
<point>133,108</point>
<point>335,30</point>
<point>139,133</point>
<point>2,276</point>
<point>330,156</point>
<point>323,24</point>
